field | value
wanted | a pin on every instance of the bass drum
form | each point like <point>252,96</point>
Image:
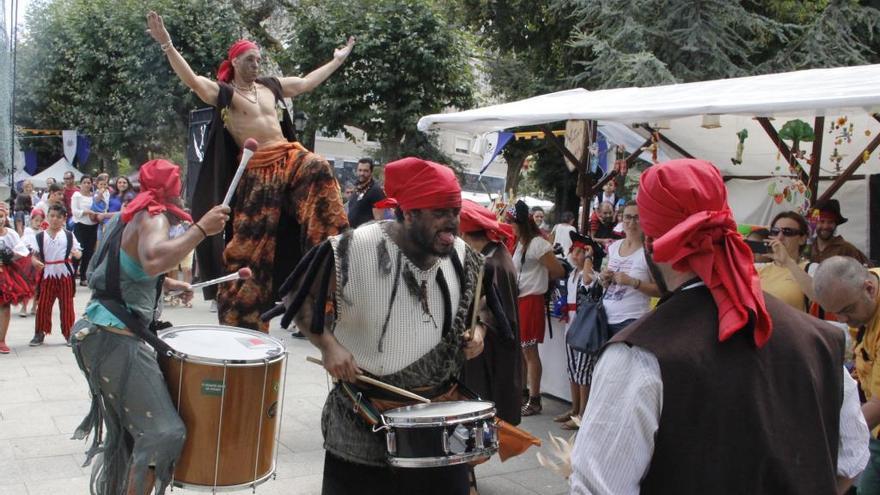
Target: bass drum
<point>228,386</point>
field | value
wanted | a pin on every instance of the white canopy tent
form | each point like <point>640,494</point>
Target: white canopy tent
<point>56,171</point>
<point>850,92</point>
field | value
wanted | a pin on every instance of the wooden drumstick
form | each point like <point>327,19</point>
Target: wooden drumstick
<point>379,384</point>
<point>468,334</point>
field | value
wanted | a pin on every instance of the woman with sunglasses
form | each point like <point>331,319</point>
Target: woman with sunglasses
<point>627,282</point>
<point>785,275</point>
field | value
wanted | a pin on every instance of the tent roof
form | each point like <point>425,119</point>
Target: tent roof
<point>56,171</point>
<point>807,92</point>
<point>847,91</point>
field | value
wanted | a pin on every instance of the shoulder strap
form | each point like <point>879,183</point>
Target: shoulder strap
<point>69,236</point>
<point>111,296</point>
<point>40,236</point>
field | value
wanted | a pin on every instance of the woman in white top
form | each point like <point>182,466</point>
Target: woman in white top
<point>13,288</point>
<point>536,266</point>
<point>85,226</point>
<point>628,284</point>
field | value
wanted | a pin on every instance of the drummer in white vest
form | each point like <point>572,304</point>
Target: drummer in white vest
<point>390,299</point>
<point>144,434</point>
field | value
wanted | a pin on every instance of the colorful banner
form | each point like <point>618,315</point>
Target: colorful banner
<point>495,142</point>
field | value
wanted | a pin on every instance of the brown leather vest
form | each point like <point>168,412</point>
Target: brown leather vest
<point>737,419</point>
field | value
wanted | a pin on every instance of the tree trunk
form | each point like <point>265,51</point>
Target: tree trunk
<point>515,160</point>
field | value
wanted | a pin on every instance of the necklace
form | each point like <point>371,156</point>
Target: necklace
<point>249,94</point>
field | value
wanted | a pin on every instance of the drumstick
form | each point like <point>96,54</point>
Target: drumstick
<point>250,145</point>
<point>377,383</point>
<point>244,274</point>
<point>468,333</point>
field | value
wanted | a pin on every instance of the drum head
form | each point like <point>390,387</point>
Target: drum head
<point>219,344</point>
<point>437,413</point>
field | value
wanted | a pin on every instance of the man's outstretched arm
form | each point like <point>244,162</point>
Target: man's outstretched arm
<point>206,89</point>
<point>292,86</point>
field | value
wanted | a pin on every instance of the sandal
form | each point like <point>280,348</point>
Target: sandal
<point>570,425</point>
<point>562,418</point>
<point>532,408</point>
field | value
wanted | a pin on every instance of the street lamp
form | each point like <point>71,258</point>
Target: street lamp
<point>300,119</point>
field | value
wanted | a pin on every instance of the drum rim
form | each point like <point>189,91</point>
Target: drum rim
<point>438,420</point>
<point>450,460</point>
<point>226,488</point>
<point>192,358</point>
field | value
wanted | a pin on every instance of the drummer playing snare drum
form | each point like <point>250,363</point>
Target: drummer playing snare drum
<point>398,309</point>
<point>144,434</point>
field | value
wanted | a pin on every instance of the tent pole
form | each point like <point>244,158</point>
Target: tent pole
<point>560,145</point>
<point>816,157</point>
<point>783,148</point>
<point>585,180</point>
<point>672,144</point>
<point>850,170</point>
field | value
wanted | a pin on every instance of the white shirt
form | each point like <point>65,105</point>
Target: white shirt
<point>614,447</point>
<point>30,238</point>
<point>533,276</point>
<point>561,236</point>
<point>625,302</point>
<point>80,203</point>
<point>53,250</point>
<point>12,240</point>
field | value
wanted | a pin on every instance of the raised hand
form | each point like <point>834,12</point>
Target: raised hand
<point>342,52</point>
<point>156,28</point>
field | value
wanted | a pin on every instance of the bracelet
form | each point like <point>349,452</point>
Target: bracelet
<point>638,284</point>
<point>196,224</point>
<point>167,46</point>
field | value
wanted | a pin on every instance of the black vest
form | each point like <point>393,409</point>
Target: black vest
<point>737,419</point>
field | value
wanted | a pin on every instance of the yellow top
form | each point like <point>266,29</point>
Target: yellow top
<point>780,283</point>
<point>866,352</point>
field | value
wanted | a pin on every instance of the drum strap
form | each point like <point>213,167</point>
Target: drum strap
<point>111,296</point>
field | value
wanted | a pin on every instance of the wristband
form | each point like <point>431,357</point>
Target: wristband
<point>167,46</point>
<point>638,284</point>
<point>196,224</point>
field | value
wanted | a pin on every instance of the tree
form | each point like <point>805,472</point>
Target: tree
<point>409,61</point>
<point>88,65</point>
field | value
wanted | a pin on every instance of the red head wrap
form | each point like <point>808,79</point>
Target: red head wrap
<point>683,207</point>
<point>160,182</point>
<point>415,184</point>
<point>226,72</point>
<point>475,217</point>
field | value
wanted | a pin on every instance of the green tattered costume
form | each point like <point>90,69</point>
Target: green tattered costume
<point>129,395</point>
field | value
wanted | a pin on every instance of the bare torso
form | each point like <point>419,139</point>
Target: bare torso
<point>259,120</point>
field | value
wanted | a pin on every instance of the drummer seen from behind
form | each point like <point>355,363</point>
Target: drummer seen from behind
<point>389,299</point>
<point>144,434</point>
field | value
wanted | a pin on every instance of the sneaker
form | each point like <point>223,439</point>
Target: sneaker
<point>4,349</point>
<point>37,340</point>
<point>213,307</point>
<point>22,313</point>
<point>298,335</point>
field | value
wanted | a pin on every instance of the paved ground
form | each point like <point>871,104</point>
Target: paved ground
<point>43,397</point>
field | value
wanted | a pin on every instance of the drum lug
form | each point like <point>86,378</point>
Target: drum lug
<point>478,436</point>
<point>444,439</point>
<point>391,442</point>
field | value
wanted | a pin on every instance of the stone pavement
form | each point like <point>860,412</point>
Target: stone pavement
<point>43,397</point>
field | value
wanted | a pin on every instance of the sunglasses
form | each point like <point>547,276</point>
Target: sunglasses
<point>786,231</point>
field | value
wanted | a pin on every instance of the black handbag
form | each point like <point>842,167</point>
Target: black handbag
<point>588,331</point>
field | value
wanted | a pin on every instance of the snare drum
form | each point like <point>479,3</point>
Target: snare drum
<point>228,385</point>
<point>440,433</point>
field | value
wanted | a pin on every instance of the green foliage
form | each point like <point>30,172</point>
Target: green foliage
<point>89,65</point>
<point>409,61</point>
<point>796,130</point>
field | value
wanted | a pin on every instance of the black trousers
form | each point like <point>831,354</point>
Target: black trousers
<point>87,235</point>
<point>347,478</point>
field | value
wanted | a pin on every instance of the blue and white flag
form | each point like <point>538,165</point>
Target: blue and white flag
<point>69,139</point>
<point>495,142</point>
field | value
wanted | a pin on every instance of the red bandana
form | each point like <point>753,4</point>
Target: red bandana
<point>416,184</point>
<point>226,72</point>
<point>160,182</point>
<point>683,207</point>
<point>475,217</point>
